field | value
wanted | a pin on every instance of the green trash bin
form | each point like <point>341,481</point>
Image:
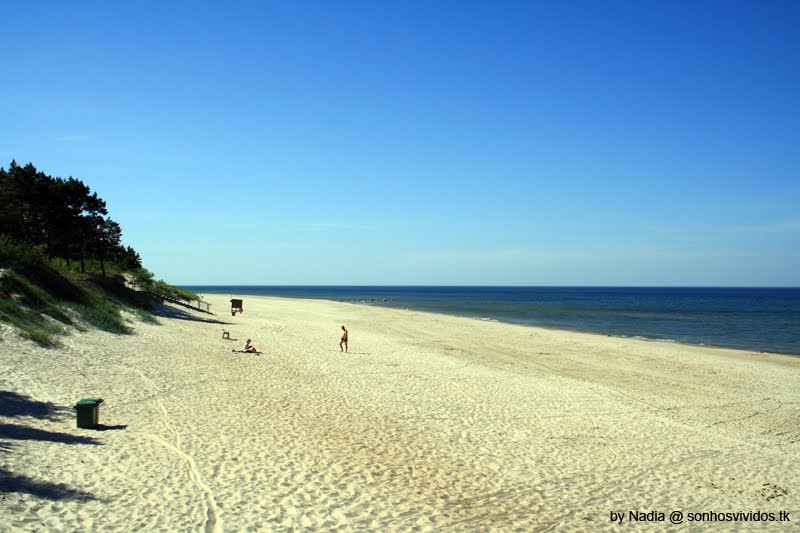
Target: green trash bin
<point>88,410</point>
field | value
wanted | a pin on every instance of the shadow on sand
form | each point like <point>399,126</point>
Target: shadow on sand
<point>15,405</point>
<point>16,432</point>
<point>102,427</point>
<point>167,311</point>
<point>9,482</point>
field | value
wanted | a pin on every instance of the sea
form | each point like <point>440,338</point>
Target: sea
<point>757,319</point>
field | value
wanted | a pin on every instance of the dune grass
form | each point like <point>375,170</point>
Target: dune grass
<point>44,300</point>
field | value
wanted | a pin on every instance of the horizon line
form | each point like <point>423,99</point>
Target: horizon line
<point>505,286</point>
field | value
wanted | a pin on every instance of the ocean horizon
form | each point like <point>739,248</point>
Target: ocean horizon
<point>756,318</point>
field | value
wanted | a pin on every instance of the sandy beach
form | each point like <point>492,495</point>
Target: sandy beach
<point>429,423</point>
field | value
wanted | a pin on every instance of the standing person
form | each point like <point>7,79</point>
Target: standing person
<point>344,340</point>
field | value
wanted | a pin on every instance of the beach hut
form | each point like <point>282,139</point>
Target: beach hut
<point>236,307</point>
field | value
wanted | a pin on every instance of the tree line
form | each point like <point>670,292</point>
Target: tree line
<point>62,215</point>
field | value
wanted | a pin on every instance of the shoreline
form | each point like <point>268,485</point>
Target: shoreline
<point>654,340</point>
<point>622,329</point>
<point>429,423</point>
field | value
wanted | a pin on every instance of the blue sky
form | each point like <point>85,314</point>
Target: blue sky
<point>488,143</point>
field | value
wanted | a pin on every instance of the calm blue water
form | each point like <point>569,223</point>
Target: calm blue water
<point>748,319</point>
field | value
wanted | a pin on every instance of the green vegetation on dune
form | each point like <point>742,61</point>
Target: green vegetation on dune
<point>28,320</point>
<point>172,291</point>
<point>44,301</point>
<point>62,263</point>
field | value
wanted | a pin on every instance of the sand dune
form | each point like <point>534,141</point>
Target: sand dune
<point>429,423</point>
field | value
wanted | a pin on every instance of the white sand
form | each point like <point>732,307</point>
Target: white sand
<point>429,423</point>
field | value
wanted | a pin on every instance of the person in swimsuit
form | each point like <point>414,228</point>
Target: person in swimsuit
<point>249,347</point>
<point>344,340</point>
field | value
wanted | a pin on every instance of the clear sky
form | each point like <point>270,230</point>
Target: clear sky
<point>491,143</point>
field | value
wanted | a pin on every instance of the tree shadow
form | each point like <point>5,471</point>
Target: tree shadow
<point>16,405</point>
<point>42,489</point>
<point>16,432</point>
<point>166,311</point>
<point>10,482</point>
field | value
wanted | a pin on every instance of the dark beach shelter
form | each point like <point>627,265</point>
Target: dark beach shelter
<point>236,307</point>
